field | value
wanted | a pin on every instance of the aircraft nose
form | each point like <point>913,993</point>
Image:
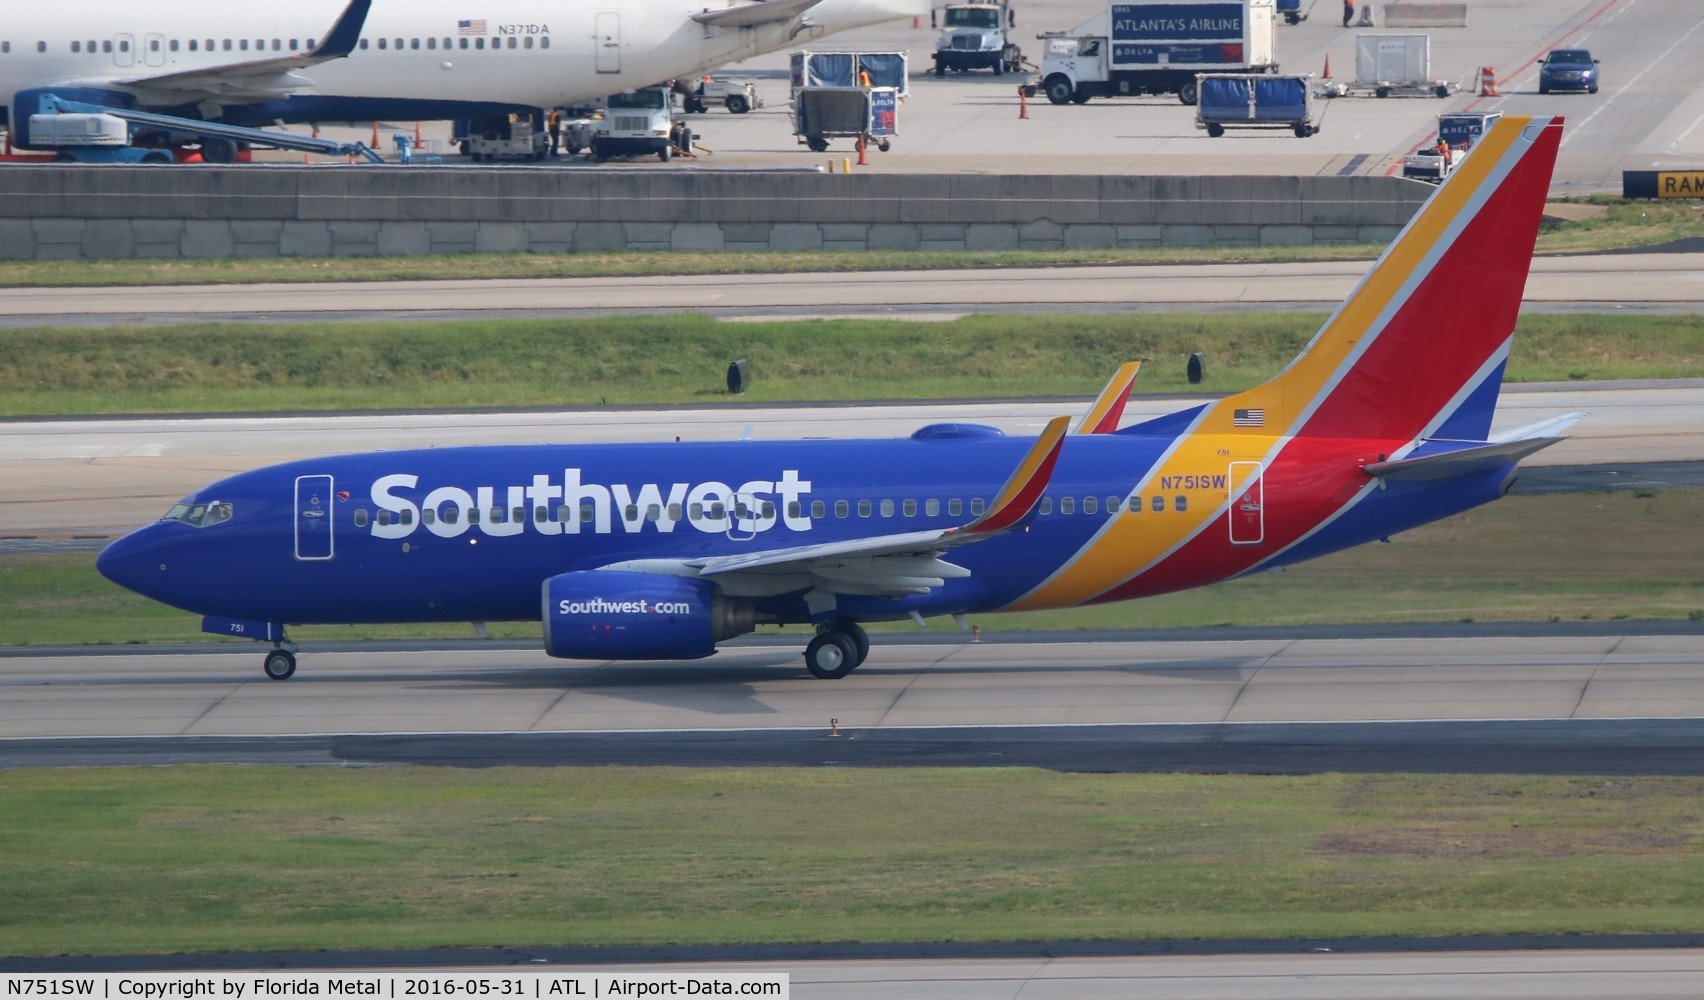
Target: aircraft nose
<point>132,560</point>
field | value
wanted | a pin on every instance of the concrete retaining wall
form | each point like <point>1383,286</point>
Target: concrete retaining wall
<point>253,211</point>
<point>1424,15</point>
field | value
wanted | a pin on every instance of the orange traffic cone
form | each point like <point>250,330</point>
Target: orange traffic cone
<point>1488,82</point>
<point>1023,104</point>
<point>375,144</point>
<point>863,152</point>
<point>1327,74</point>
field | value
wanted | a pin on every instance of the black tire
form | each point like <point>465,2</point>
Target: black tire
<point>831,656</point>
<point>465,147</point>
<point>1542,89</point>
<point>1215,130</point>
<point>1302,131</point>
<point>1081,96</point>
<point>280,664</point>
<point>883,145</point>
<point>218,151</point>
<point>65,156</point>
<point>940,69</point>
<point>157,156</point>
<point>1441,90</point>
<point>1058,89</point>
<point>1382,92</point>
<point>1591,90</point>
<point>738,104</point>
<point>817,144</point>
<point>860,640</point>
<point>665,152</point>
<point>1188,94</point>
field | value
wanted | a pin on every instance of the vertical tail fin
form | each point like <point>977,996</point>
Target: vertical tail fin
<point>1418,347</point>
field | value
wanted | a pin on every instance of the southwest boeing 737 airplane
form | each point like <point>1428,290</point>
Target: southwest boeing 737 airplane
<point>659,551</point>
<point>360,60</point>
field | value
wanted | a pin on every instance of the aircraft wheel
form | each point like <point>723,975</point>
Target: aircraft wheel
<point>860,640</point>
<point>831,656</point>
<point>280,664</point>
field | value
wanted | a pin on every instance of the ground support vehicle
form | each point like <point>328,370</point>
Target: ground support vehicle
<point>845,69</point>
<point>822,113</point>
<point>95,133</point>
<point>640,122</point>
<point>1393,66</point>
<point>975,37</point>
<point>1255,100</point>
<point>1460,130</point>
<point>1568,69</point>
<point>738,97</point>
<point>519,137</point>
<point>1157,48</point>
<point>1291,11</point>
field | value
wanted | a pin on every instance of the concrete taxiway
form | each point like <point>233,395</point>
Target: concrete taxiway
<point>761,687</point>
<point>1605,282</point>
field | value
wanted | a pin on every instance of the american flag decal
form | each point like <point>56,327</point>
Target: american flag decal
<point>1248,418</point>
<point>474,27</point>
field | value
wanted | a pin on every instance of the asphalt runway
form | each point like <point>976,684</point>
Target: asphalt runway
<point>1643,282</point>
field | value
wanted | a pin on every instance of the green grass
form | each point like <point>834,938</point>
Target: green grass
<point>212,858</point>
<point>1580,556</point>
<point>224,367</point>
<point>1627,224</point>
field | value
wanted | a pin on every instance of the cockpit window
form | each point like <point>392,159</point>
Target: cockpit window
<point>199,515</point>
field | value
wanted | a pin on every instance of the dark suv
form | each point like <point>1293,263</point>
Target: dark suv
<point>1568,69</point>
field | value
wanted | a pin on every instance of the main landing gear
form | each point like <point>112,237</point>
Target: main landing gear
<point>280,664</point>
<point>838,649</point>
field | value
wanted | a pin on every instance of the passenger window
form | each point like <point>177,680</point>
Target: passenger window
<point>541,514</point>
<point>1157,505</point>
<point>910,508</point>
<point>1112,505</point>
<point>427,516</point>
<point>695,511</point>
<point>362,46</point>
<point>414,43</point>
<point>842,509</point>
<point>1091,505</point>
<point>464,43</point>
<point>588,513</point>
<point>932,507</point>
<point>818,508</point>
<point>5,48</point>
<point>718,512</point>
<point>383,44</point>
<point>674,511</point>
<point>41,46</point>
<point>1067,505</point>
<point>955,507</point>
<point>630,513</point>
<point>360,518</point>
<point>864,508</point>
<point>479,43</point>
<point>384,518</point>
<point>544,43</point>
<point>407,517</point>
<point>528,42</point>
<point>518,515</point>
<point>512,42</point>
<point>294,47</point>
<point>431,43</point>
<point>228,44</point>
<point>887,508</point>
<point>497,516</point>
<point>399,45</point>
<point>174,45</point>
<point>768,509</point>
<point>653,512</point>
<point>562,513</point>
<point>1045,507</point>
<point>1135,505</point>
<point>76,47</point>
<point>1180,504</point>
<point>241,44</point>
<point>153,45</point>
<point>976,507</point>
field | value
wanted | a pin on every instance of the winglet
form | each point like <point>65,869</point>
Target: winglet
<point>341,39</point>
<point>1028,482</point>
<point>1108,410</point>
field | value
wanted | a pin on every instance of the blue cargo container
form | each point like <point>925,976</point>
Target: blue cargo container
<point>1254,100</point>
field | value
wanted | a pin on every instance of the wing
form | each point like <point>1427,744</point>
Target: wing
<point>880,565</point>
<point>752,14</point>
<point>1108,410</point>
<point>259,79</point>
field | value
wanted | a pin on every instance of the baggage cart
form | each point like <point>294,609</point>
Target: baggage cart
<point>1254,100</point>
<point>824,113</point>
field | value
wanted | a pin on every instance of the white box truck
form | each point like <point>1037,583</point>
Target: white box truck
<point>1157,48</point>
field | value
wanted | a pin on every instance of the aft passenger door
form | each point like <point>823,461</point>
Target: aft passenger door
<point>608,41</point>
<point>1248,504</point>
<point>314,522</point>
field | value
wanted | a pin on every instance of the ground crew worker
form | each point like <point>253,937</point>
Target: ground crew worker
<point>1444,149</point>
<point>863,78</point>
<point>1348,12</point>
<point>555,123</point>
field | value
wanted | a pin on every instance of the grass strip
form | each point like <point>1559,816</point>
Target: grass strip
<point>1622,224</point>
<point>1578,556</point>
<point>248,858</point>
<point>227,367</point>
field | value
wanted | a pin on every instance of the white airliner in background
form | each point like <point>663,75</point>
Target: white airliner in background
<point>362,60</point>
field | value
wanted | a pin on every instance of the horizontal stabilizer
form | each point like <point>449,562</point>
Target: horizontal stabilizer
<point>1549,427</point>
<point>752,14</point>
<point>1449,464</point>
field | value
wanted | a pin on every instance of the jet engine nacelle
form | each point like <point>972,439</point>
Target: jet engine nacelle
<point>617,615</point>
